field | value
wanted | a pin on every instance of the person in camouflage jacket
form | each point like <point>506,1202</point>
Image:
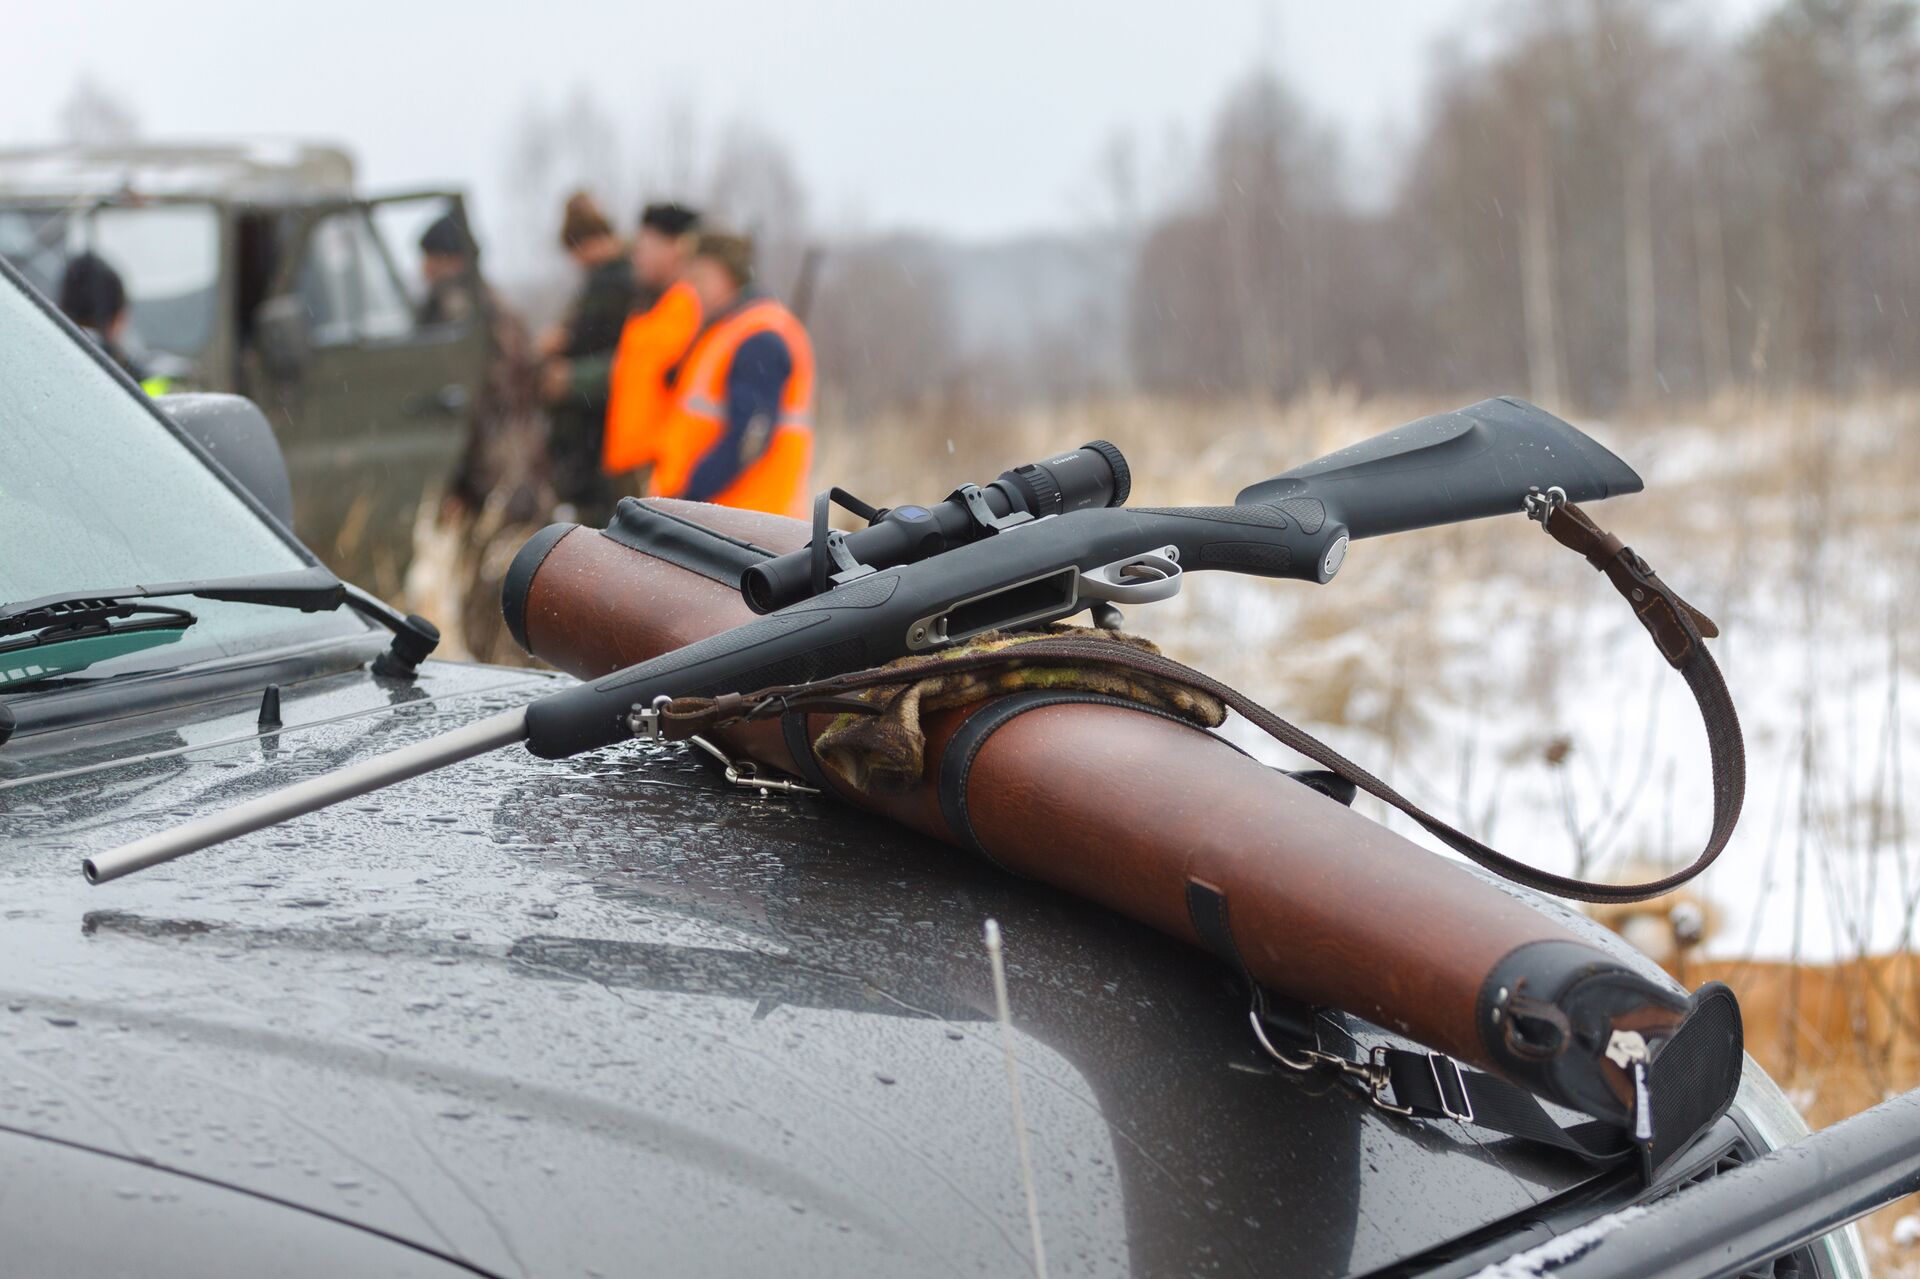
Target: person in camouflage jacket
<point>585,340</point>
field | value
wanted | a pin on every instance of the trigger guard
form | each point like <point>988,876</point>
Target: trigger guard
<point>1108,584</point>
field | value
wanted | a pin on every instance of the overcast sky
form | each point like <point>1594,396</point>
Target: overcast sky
<point>979,118</point>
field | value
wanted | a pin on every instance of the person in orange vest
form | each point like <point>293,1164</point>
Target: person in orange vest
<point>653,340</point>
<point>741,429</point>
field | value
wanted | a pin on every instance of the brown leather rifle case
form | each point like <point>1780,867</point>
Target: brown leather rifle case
<point>1317,906</point>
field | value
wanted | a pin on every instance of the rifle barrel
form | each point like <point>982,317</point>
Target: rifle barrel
<point>305,797</point>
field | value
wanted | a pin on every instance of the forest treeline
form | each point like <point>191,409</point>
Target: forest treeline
<point>1601,203</point>
<point>1607,207</point>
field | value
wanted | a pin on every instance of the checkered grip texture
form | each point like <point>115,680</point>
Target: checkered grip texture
<point>1696,1072</point>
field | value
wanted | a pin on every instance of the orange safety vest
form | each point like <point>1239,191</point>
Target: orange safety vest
<point>638,400</point>
<point>776,479</point>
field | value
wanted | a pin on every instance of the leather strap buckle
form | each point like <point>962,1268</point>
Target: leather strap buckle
<point>1435,1061</point>
<point>1449,1083</point>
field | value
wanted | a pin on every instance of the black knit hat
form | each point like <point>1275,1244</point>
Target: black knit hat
<point>448,237</point>
<point>91,292</point>
<point>669,219</point>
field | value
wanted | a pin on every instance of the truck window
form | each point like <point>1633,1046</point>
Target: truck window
<point>399,222</point>
<point>168,256</point>
<point>348,287</point>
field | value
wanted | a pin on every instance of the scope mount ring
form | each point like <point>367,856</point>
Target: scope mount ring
<point>975,498</point>
<point>825,551</point>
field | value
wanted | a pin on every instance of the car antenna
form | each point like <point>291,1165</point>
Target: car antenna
<point>1005,1016</point>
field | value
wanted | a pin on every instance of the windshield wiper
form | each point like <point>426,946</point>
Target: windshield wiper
<point>76,619</point>
<point>311,590</point>
<point>80,619</point>
<point>85,633</point>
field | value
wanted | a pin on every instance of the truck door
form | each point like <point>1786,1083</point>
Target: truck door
<point>374,405</point>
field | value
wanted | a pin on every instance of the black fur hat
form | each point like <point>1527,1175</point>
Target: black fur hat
<point>91,292</point>
<point>670,219</point>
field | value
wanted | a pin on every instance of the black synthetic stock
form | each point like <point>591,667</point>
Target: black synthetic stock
<point>1458,466</point>
<point>1465,465</point>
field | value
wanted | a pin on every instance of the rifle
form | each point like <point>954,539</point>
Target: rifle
<point>1042,543</point>
<point>1050,539</point>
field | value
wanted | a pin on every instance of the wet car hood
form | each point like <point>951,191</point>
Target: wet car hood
<point>604,1015</point>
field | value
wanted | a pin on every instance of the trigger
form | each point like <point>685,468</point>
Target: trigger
<point>1137,579</point>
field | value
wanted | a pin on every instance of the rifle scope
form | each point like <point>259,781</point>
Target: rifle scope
<point>1093,475</point>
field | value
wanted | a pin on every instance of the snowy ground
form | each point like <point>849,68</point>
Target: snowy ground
<point>1497,680</point>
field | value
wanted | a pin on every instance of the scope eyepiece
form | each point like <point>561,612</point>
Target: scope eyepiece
<point>1072,481</point>
<point>1093,475</point>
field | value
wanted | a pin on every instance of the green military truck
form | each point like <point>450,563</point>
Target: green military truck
<point>257,269</point>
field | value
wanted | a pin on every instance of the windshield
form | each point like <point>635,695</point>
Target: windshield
<point>95,494</point>
<point>167,255</point>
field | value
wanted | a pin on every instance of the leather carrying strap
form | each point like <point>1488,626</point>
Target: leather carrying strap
<point>1677,628</point>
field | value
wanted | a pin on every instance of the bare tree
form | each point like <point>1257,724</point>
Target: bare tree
<point>675,155</point>
<point>1229,291</point>
<point>1538,295</point>
<point>883,328</point>
<point>753,187</point>
<point>551,153</point>
<point>93,116</point>
<point>1835,103</point>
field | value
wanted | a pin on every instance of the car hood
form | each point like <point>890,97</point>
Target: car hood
<point>604,1014</point>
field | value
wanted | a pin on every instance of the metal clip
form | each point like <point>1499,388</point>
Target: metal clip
<point>1371,1072</point>
<point>644,721</point>
<point>1302,1059</point>
<point>745,775</point>
<point>1541,506</point>
<point>1381,1079</point>
<point>1308,1058</point>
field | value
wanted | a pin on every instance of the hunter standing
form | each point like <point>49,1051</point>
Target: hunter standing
<point>740,432</point>
<point>499,463</point>
<point>94,297</point>
<point>590,331</point>
<point>655,338</point>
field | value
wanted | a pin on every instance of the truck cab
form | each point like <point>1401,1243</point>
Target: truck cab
<point>258,269</point>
